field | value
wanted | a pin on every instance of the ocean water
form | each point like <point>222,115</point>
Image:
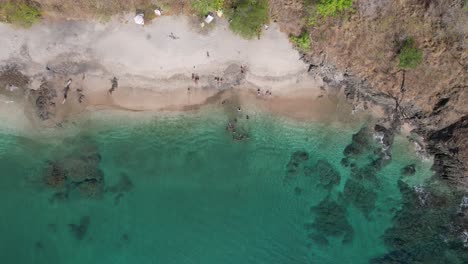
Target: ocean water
<point>180,189</point>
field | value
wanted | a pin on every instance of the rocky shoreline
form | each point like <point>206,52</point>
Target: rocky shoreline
<point>447,144</point>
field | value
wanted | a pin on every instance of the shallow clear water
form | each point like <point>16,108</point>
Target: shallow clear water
<point>192,194</point>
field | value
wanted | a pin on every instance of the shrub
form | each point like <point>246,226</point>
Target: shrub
<point>203,7</point>
<point>302,41</point>
<point>248,17</point>
<point>327,8</point>
<point>20,14</point>
<point>319,9</point>
<point>410,56</point>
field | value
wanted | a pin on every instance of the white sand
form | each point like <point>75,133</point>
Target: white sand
<point>154,70</point>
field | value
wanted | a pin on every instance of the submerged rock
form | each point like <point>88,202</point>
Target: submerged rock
<point>328,176</point>
<point>293,166</point>
<point>331,220</point>
<point>426,232</point>
<point>124,185</point>
<point>79,230</point>
<point>360,196</point>
<point>79,170</point>
<point>361,141</point>
<point>408,170</point>
<point>55,175</point>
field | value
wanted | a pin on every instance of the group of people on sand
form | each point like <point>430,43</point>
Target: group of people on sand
<point>67,89</point>
<point>81,96</point>
<point>267,92</point>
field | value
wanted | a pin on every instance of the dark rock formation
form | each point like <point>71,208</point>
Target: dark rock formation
<point>43,99</point>
<point>79,171</point>
<point>331,220</point>
<point>327,176</point>
<point>449,146</point>
<point>426,228</point>
<point>408,170</point>
<point>293,166</point>
<point>361,196</point>
<point>55,175</point>
<point>124,185</point>
<point>361,141</point>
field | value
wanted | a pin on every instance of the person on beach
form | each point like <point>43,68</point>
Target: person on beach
<point>80,95</point>
<point>66,90</point>
<point>114,86</point>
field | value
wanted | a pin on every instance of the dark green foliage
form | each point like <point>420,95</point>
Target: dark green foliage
<point>302,42</point>
<point>327,8</point>
<point>320,9</point>
<point>248,16</point>
<point>410,56</point>
<point>20,14</point>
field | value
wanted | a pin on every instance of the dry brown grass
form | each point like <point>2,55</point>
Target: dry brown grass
<point>104,9</point>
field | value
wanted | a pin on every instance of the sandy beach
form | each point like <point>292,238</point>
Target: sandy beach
<point>154,71</point>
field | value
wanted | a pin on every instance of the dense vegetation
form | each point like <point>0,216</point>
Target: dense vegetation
<point>203,7</point>
<point>327,8</point>
<point>410,56</point>
<point>320,9</point>
<point>248,16</point>
<point>302,41</point>
<point>20,14</point>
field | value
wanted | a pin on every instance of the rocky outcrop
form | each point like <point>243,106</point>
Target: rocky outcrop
<point>450,149</point>
<point>357,55</point>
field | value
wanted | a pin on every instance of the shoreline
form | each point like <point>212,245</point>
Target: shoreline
<point>155,72</point>
<point>152,72</point>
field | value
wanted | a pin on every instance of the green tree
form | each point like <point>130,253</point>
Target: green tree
<point>410,56</point>
<point>248,16</point>
<point>20,14</point>
<point>302,41</point>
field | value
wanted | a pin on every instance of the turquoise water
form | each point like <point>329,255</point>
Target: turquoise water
<point>181,190</point>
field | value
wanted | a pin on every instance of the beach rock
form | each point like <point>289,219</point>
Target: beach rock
<point>449,146</point>
<point>79,230</point>
<point>43,99</point>
<point>12,81</point>
<point>408,170</point>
